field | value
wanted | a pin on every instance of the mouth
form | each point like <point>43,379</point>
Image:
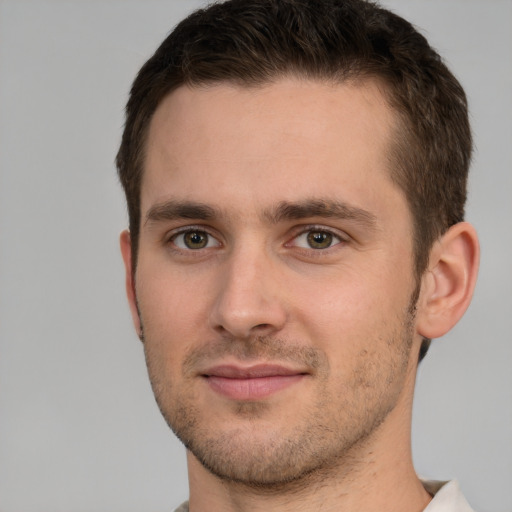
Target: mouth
<point>251,383</point>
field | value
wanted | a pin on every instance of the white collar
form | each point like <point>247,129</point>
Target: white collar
<point>447,497</point>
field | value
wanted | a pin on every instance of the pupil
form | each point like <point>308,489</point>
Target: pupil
<point>195,240</point>
<point>319,240</point>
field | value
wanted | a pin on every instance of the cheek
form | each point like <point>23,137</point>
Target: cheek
<point>341,302</point>
<point>173,311</point>
<point>350,315</point>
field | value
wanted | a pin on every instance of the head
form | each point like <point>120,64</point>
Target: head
<point>290,167</point>
<point>251,43</point>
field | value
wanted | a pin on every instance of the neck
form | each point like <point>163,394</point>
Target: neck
<point>376,490</point>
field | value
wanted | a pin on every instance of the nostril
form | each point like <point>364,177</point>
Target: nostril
<point>261,326</point>
<point>256,331</point>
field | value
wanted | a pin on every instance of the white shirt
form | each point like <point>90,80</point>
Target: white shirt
<point>447,497</point>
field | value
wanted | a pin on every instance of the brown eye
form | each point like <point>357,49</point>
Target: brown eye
<point>316,238</point>
<point>194,239</point>
<point>319,239</point>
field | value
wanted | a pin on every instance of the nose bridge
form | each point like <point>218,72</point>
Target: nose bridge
<point>247,301</point>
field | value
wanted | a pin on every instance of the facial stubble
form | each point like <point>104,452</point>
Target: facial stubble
<point>259,450</point>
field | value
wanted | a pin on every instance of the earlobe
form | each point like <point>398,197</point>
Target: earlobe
<point>449,282</point>
<point>126,252</point>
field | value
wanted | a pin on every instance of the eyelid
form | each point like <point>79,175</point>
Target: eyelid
<point>296,232</point>
<point>301,230</point>
<point>171,235</point>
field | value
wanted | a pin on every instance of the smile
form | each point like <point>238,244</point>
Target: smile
<point>253,383</point>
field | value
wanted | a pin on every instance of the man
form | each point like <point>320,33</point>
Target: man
<point>295,173</point>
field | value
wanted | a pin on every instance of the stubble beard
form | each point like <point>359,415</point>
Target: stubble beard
<point>323,442</point>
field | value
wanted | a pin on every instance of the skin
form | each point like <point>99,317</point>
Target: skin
<point>324,287</point>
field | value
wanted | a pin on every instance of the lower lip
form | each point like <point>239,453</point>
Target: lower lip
<point>251,389</point>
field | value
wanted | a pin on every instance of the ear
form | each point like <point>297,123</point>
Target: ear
<point>448,284</point>
<point>126,251</point>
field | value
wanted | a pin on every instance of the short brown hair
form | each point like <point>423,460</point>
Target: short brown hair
<point>252,42</point>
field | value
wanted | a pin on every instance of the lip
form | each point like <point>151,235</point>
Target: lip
<point>251,383</point>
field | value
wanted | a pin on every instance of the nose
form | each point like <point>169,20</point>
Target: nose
<point>249,298</point>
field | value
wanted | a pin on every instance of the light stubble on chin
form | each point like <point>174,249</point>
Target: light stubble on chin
<point>256,453</point>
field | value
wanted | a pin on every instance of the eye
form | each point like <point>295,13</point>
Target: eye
<point>316,239</point>
<point>194,239</point>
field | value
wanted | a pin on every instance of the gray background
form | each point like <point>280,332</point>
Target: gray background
<point>79,430</point>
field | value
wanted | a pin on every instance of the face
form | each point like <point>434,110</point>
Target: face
<point>275,276</point>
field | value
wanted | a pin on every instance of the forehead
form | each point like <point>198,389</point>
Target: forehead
<point>288,137</point>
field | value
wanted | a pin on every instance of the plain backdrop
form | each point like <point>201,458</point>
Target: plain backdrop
<point>79,429</point>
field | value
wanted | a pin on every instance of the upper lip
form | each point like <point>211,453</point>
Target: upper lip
<point>229,371</point>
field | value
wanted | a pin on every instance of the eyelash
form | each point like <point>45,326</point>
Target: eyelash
<point>303,230</point>
<point>171,239</point>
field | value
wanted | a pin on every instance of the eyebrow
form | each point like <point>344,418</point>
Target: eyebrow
<point>324,208</point>
<point>284,211</point>
<point>172,210</point>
